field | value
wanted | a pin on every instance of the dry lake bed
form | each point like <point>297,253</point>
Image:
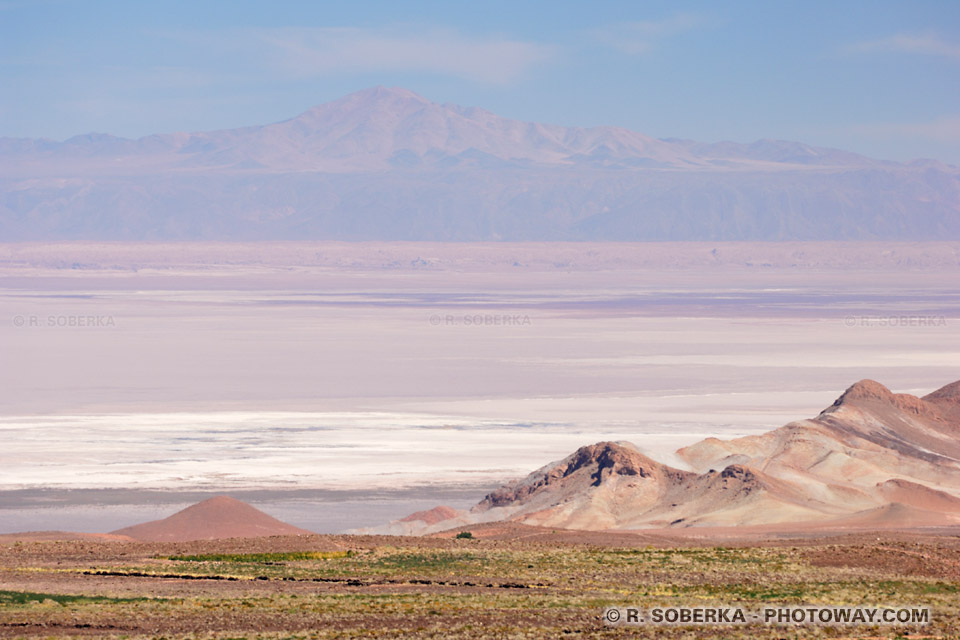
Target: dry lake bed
<point>342,385</point>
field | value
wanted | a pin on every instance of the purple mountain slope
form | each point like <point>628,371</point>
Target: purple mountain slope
<point>388,164</point>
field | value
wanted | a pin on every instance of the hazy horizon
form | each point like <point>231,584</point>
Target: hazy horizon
<point>389,164</point>
<point>877,78</point>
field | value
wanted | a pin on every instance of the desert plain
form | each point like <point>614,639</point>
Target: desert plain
<point>507,582</point>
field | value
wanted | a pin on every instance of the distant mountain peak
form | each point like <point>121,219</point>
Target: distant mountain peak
<point>376,96</point>
<point>385,163</point>
<point>380,92</point>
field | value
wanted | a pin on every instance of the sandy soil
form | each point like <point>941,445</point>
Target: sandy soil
<point>576,579</point>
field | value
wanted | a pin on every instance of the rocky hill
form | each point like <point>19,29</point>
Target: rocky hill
<point>874,459</point>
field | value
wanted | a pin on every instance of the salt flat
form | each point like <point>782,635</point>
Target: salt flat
<point>274,450</point>
<point>415,366</point>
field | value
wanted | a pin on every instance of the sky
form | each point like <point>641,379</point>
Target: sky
<point>876,77</point>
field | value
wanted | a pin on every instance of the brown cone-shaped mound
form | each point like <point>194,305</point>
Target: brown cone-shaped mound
<point>432,516</point>
<point>220,517</point>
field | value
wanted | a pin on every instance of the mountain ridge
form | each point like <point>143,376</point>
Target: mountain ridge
<point>385,108</point>
<point>387,164</point>
<point>872,459</point>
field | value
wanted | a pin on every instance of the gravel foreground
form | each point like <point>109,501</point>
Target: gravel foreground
<point>505,582</point>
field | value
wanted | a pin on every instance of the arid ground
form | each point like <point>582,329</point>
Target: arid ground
<point>507,582</point>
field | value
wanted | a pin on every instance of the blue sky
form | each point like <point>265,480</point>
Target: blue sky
<point>881,78</point>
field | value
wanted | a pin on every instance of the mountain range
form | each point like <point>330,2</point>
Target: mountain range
<point>387,164</point>
<point>873,459</point>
